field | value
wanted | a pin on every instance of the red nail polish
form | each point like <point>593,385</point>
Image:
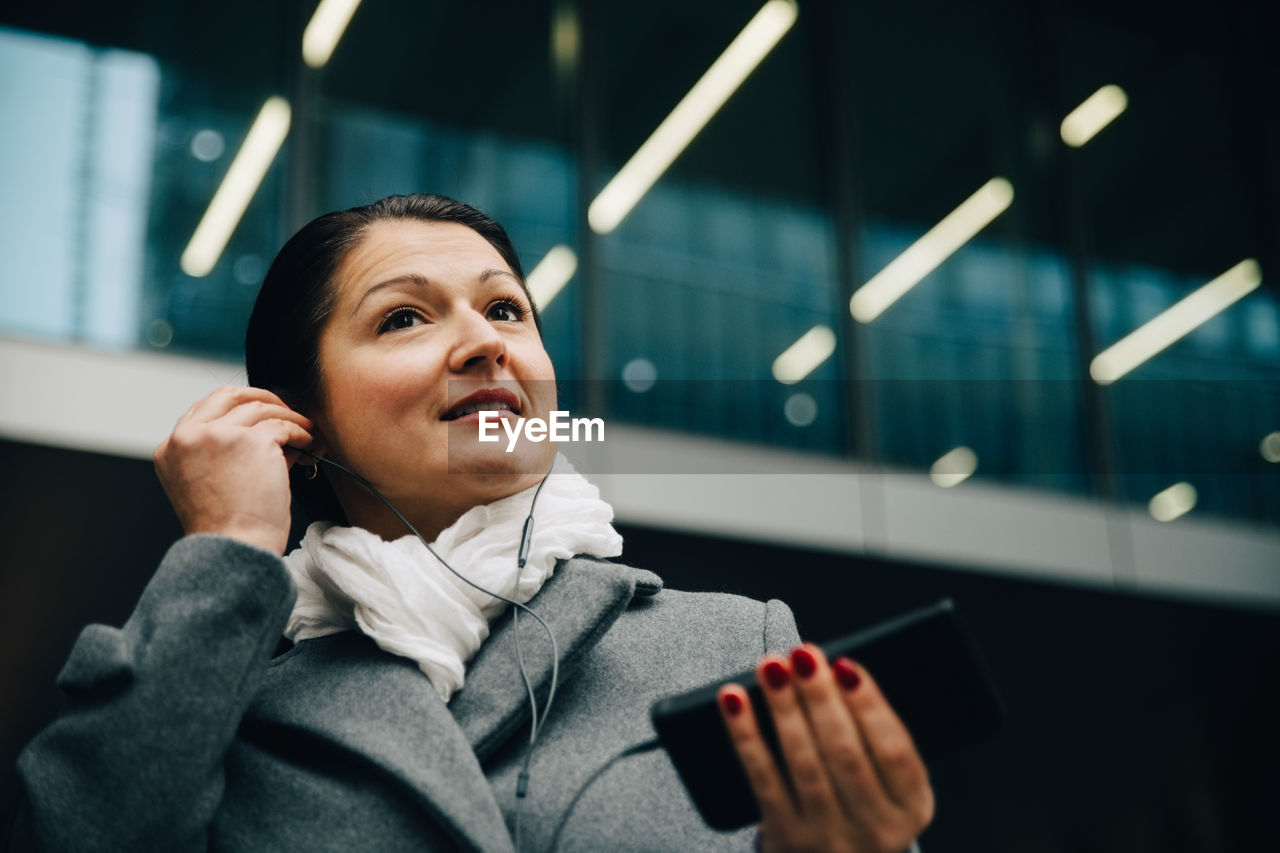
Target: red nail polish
<point>732,703</point>
<point>803,662</point>
<point>846,674</point>
<point>776,675</point>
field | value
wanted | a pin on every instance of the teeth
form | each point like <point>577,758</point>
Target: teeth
<point>487,406</point>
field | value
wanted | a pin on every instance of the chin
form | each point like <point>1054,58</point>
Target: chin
<point>492,463</point>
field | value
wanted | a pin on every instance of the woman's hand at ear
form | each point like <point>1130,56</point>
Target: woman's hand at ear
<point>225,469</point>
<point>857,782</point>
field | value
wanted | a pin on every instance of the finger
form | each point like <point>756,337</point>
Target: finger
<point>815,796</point>
<point>887,739</point>
<point>283,433</point>
<point>762,772</point>
<point>253,411</point>
<point>226,398</point>
<point>844,753</point>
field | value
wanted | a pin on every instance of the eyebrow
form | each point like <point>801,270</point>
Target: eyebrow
<point>422,281</point>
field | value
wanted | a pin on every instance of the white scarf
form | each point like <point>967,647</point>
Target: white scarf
<point>411,605</point>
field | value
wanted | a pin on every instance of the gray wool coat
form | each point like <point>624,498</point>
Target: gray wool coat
<point>180,732</point>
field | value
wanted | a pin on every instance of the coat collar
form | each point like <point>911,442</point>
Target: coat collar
<point>346,690</point>
<point>579,603</point>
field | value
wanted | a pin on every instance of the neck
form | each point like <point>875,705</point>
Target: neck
<point>430,514</point>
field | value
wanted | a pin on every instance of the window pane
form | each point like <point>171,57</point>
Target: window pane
<point>978,351</point>
<point>728,260</point>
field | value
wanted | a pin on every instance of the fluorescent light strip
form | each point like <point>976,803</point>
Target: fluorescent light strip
<point>1175,501</point>
<point>927,254</point>
<point>1175,322</point>
<point>551,275</point>
<point>954,467</point>
<point>327,24</point>
<point>803,357</point>
<point>693,112</point>
<point>235,192</point>
<point>1094,113</point>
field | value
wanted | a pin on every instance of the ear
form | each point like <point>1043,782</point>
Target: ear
<point>319,445</point>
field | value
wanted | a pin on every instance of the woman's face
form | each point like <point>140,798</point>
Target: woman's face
<point>426,315</point>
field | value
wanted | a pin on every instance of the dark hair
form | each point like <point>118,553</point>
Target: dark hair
<point>281,347</point>
<point>282,344</point>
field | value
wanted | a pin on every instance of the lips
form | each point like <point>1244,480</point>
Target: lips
<point>486,399</point>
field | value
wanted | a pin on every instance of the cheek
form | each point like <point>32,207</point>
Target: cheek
<point>386,392</point>
<point>544,380</point>
<point>537,362</point>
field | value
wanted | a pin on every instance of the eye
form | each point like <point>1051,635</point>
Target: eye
<point>507,310</point>
<point>403,317</point>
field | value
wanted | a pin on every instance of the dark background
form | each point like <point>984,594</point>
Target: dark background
<point>1136,723</point>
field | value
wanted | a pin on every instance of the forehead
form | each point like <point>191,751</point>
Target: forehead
<point>437,250</point>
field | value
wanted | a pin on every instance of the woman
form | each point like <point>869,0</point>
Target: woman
<point>399,718</point>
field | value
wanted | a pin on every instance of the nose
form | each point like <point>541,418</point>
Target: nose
<point>476,343</point>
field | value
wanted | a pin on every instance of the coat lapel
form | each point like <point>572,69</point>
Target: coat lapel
<point>579,603</point>
<point>343,688</point>
<point>346,690</point>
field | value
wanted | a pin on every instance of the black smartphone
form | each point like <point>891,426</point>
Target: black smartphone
<point>927,665</point>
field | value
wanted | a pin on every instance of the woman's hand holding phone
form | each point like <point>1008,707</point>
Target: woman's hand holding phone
<point>225,467</point>
<point>857,782</point>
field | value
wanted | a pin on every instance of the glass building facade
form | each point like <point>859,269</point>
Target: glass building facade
<point>856,138</point>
